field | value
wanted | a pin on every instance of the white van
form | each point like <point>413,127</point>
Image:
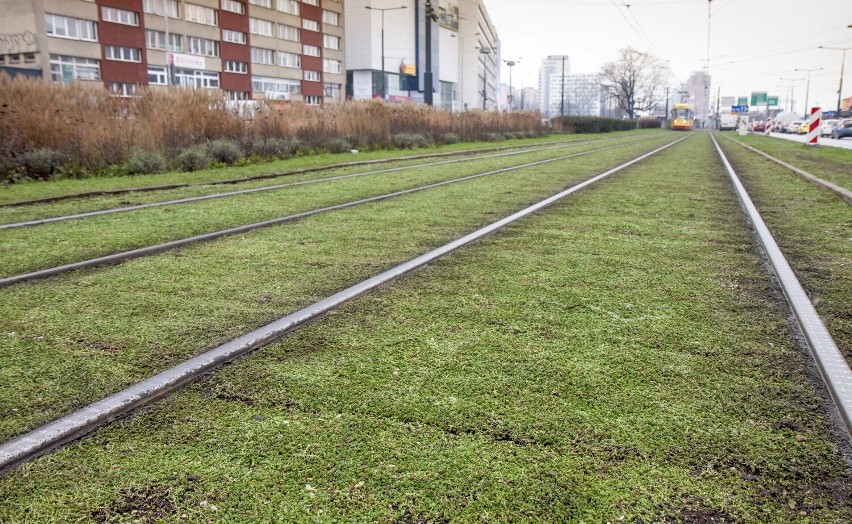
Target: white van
<point>727,122</point>
<point>783,120</point>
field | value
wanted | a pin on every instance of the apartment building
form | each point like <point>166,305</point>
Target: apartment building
<point>276,49</point>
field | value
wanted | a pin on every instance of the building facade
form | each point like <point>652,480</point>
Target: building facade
<point>386,52</point>
<point>552,86</point>
<point>276,49</point>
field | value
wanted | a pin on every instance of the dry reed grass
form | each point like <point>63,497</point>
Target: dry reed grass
<point>94,130</point>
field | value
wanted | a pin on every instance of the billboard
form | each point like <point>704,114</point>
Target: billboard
<point>448,14</point>
<point>846,105</point>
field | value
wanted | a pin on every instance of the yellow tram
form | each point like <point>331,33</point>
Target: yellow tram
<point>682,116</point>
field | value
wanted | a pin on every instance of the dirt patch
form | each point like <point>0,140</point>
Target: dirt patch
<point>704,516</point>
<point>150,504</point>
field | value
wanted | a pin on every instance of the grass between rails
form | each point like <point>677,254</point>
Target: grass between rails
<point>813,227</point>
<point>828,163</point>
<point>94,203</point>
<point>594,363</point>
<point>48,245</point>
<point>75,338</point>
<point>40,189</point>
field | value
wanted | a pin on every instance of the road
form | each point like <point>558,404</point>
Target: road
<point>845,143</point>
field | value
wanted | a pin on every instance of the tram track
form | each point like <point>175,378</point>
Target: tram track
<point>201,198</point>
<point>75,425</point>
<point>123,256</point>
<point>280,174</point>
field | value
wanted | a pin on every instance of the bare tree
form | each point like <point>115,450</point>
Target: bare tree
<point>636,81</point>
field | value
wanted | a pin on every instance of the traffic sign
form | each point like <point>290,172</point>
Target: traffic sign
<point>772,101</point>
<point>742,101</point>
<point>739,109</point>
<point>758,98</point>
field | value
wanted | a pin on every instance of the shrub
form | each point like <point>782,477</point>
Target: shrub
<point>337,145</point>
<point>409,141</point>
<point>493,137</point>
<point>276,147</point>
<point>142,162</point>
<point>450,138</point>
<point>225,151</point>
<point>591,124</point>
<point>42,163</point>
<point>193,158</point>
<point>650,122</point>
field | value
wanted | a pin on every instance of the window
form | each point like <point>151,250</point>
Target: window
<point>201,15</point>
<point>310,50</point>
<point>195,78</point>
<point>290,60</point>
<point>262,56</point>
<point>66,69</point>
<point>275,86</point>
<point>262,3</point>
<point>2,59</point>
<point>234,6</point>
<point>310,25</point>
<point>157,40</point>
<point>121,89</point>
<point>202,46</point>
<point>29,58</point>
<point>235,96</point>
<point>289,32</point>
<point>330,17</point>
<point>288,6</point>
<point>331,42</point>
<point>236,37</point>
<point>332,66</point>
<point>119,16</point>
<point>161,7</point>
<point>235,66</point>
<point>258,26</point>
<point>122,54</point>
<point>311,2</point>
<point>157,76</point>
<point>74,28</point>
<point>313,100</point>
<point>332,91</point>
<point>15,59</point>
<point>313,76</point>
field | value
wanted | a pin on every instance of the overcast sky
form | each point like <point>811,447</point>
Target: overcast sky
<point>753,43</point>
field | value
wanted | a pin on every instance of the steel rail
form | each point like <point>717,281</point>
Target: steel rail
<point>844,193</point>
<point>279,174</point>
<point>166,246</point>
<point>39,221</point>
<point>80,423</point>
<point>832,366</point>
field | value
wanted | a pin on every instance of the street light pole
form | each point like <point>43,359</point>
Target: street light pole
<point>511,64</point>
<point>485,51</point>
<point>792,90</point>
<point>428,83</point>
<point>384,75</point>
<point>842,66</point>
<point>808,88</point>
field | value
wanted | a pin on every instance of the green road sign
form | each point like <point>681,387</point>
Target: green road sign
<point>742,101</point>
<point>772,100</point>
<point>758,98</point>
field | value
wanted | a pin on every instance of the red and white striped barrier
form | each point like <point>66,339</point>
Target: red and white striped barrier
<point>813,126</point>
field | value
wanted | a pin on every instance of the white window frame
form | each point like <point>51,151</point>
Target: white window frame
<point>288,32</point>
<point>331,41</point>
<point>234,7</point>
<point>122,89</point>
<point>312,76</point>
<point>310,50</point>
<point>288,6</point>
<point>76,66</point>
<point>332,66</point>
<point>313,100</point>
<point>330,17</point>
<point>235,66</point>
<point>286,59</point>
<point>119,16</point>
<point>197,78</point>
<point>311,2</point>
<point>200,14</point>
<point>160,75</point>
<point>195,45</point>
<point>63,26</point>
<point>157,40</point>
<point>310,25</point>
<point>158,7</point>
<point>262,3</point>
<point>260,55</point>
<point>266,84</point>
<point>259,26</point>
<point>234,37</point>
<point>122,54</point>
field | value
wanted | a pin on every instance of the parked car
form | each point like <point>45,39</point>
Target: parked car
<point>843,128</point>
<point>794,127</point>
<point>827,127</point>
<point>804,128</point>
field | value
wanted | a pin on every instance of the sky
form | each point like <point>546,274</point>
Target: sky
<point>754,45</point>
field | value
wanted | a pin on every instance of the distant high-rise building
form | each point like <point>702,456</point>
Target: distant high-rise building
<point>698,87</point>
<point>552,86</point>
<point>278,49</point>
<point>583,95</point>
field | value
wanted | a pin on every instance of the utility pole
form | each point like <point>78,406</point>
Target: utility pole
<point>384,74</point>
<point>511,64</point>
<point>808,88</point>
<point>562,107</point>
<point>792,90</point>
<point>842,66</point>
<point>428,84</point>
